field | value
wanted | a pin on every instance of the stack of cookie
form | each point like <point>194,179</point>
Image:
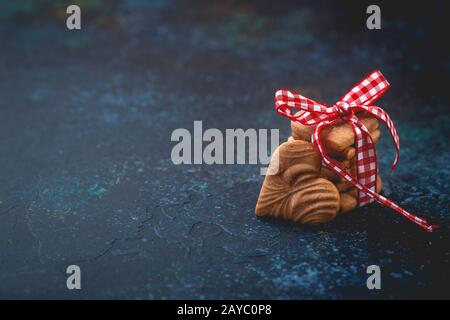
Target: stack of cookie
<point>299,188</point>
<point>339,143</point>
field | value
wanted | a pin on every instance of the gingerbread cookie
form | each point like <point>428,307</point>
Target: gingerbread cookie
<point>349,197</point>
<point>302,189</point>
<point>293,189</point>
<point>337,138</point>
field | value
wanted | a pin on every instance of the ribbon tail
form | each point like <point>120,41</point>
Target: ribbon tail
<point>362,188</point>
<point>382,116</point>
<point>366,159</point>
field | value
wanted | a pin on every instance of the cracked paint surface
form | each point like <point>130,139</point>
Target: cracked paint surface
<point>86,175</point>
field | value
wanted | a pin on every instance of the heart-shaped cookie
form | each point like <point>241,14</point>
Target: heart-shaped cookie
<point>293,189</point>
<point>296,188</point>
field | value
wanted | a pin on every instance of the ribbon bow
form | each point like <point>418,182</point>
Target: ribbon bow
<point>360,97</point>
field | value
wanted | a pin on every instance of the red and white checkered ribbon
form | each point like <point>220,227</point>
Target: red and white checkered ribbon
<point>360,97</point>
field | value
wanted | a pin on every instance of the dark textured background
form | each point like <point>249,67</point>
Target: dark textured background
<point>85,168</point>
